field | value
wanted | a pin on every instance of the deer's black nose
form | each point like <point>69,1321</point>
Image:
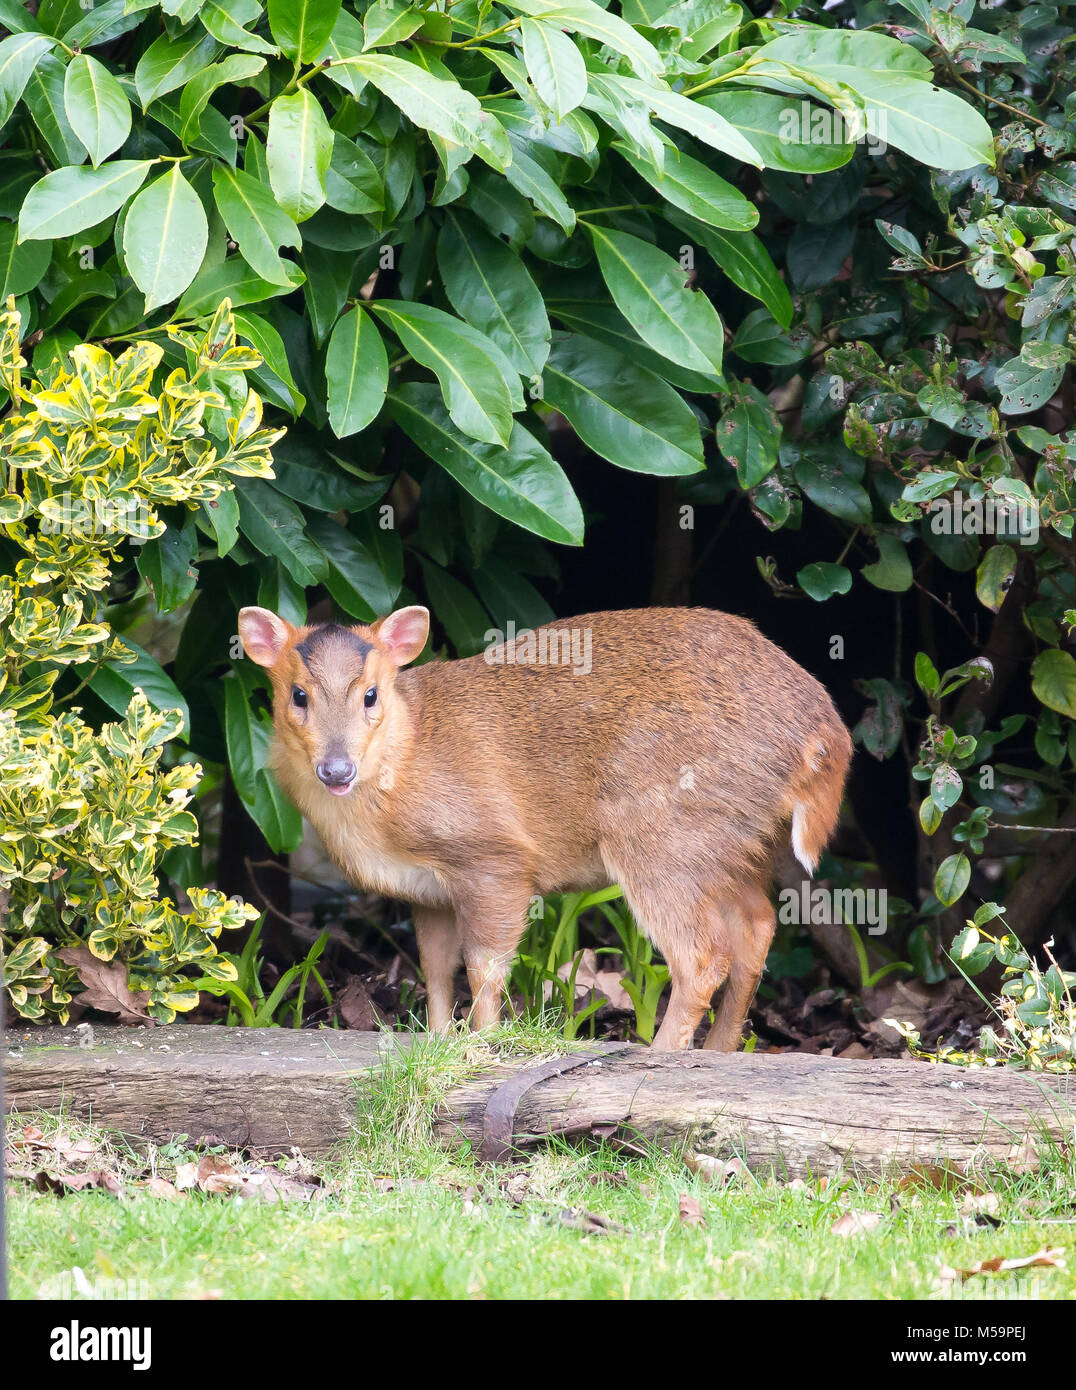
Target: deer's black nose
<point>336,772</point>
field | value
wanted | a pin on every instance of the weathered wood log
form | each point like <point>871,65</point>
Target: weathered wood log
<point>791,1113</point>
<point>266,1088</point>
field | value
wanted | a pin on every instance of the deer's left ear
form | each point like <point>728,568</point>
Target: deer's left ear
<point>402,635</point>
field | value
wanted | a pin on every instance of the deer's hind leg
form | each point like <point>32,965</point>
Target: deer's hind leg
<point>752,923</point>
<point>688,928</point>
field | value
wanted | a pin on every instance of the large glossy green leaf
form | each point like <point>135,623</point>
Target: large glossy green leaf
<point>230,21</point>
<point>302,27</point>
<point>167,564</point>
<point>386,23</point>
<point>770,122</point>
<point>234,70</point>
<point>261,334</point>
<point>352,576</point>
<point>680,111</point>
<point>620,410</point>
<point>298,152</point>
<point>305,472</point>
<point>529,178</point>
<point>745,260</point>
<point>749,433</point>
<point>70,200</point>
<point>21,265</point>
<point>44,99</point>
<point>165,234</point>
<point>455,607</point>
<point>97,107</point>
<point>472,380</point>
<point>233,279</point>
<point>438,105</point>
<point>168,64</point>
<point>584,17</point>
<point>1053,679</point>
<point>274,525</point>
<point>19,54</point>
<point>257,223</point>
<point>892,80</point>
<point>555,66</point>
<point>492,289</point>
<point>352,181</point>
<point>695,188</point>
<point>115,683</point>
<point>649,290</point>
<point>357,372</point>
<point>522,483</point>
<point>595,317</point>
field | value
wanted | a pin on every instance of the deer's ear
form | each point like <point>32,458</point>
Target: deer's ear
<point>402,635</point>
<point>264,635</point>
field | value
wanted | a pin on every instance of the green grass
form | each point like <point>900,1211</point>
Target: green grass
<point>450,1227</point>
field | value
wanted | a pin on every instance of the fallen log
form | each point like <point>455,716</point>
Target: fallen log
<point>788,1113</point>
<point>791,1113</point>
<point>264,1088</point>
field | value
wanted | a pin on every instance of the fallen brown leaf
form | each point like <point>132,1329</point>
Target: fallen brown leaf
<point>186,1176</point>
<point>691,1210</point>
<point>856,1223</point>
<point>943,1177</point>
<point>106,985</point>
<point>356,1007</point>
<point>216,1174</point>
<point>1042,1259</point>
<point>161,1187</point>
<point>589,1222</point>
<point>716,1171</point>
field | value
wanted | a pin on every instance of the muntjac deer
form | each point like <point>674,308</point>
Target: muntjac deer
<point>675,762</point>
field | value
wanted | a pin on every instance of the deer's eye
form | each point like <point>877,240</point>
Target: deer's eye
<point>298,697</point>
<point>370,698</point>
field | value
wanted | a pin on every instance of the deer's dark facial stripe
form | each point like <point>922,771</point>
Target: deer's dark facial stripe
<point>313,645</point>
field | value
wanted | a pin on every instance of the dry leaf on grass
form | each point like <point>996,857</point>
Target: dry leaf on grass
<point>856,1223</point>
<point>186,1176</point>
<point>942,1177</point>
<point>589,1222</point>
<point>716,1171</point>
<point>60,1184</point>
<point>589,977</point>
<point>216,1174</point>
<point>106,985</point>
<point>160,1187</point>
<point>356,1008</point>
<point>980,1203</point>
<point>1042,1259</point>
<point>691,1211</point>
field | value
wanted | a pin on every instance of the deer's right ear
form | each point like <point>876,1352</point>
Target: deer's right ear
<point>263,634</point>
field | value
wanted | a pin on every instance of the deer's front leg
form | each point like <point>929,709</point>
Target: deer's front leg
<point>439,954</point>
<point>491,925</point>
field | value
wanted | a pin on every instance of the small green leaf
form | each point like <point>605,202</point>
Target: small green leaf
<point>1053,679</point>
<point>952,879</point>
<point>97,107</point>
<point>822,580</point>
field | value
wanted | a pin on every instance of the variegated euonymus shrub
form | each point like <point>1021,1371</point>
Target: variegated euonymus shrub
<point>88,452</point>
